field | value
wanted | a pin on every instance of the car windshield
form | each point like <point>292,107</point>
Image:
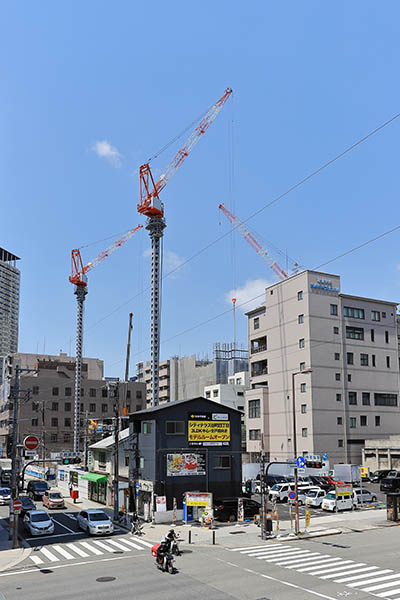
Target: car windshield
<point>330,496</point>
<point>55,496</point>
<point>40,518</point>
<point>276,487</point>
<point>4,492</point>
<point>98,517</point>
<point>40,485</point>
<point>312,494</point>
<point>26,500</point>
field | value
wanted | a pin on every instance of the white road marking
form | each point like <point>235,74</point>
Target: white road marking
<point>104,546</point>
<point>348,570</point>
<point>271,549</point>
<point>131,544</point>
<point>63,552</point>
<point>52,535</point>
<point>381,586</point>
<point>120,546</point>
<point>49,555</point>
<point>279,557</point>
<point>36,560</point>
<point>325,561</point>
<point>65,527</point>
<point>386,594</point>
<point>144,543</point>
<point>331,566</point>
<point>358,583</point>
<point>91,548</point>
<point>301,562</point>
<point>77,550</point>
<point>365,576</point>
<point>255,547</point>
<point>73,517</point>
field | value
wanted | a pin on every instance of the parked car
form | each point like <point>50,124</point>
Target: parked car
<point>391,483</point>
<point>36,488</point>
<point>5,495</point>
<point>315,497</point>
<point>302,493</point>
<point>364,494</point>
<point>95,521</point>
<point>336,502</point>
<point>38,522</point>
<point>27,504</point>
<point>321,482</point>
<point>377,476</point>
<point>53,499</point>
<point>226,509</point>
<point>280,491</point>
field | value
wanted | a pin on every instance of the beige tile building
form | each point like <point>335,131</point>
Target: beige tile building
<point>351,345</point>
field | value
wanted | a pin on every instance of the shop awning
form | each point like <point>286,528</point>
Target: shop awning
<point>94,477</point>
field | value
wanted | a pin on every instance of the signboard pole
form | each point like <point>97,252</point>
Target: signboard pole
<point>174,512</point>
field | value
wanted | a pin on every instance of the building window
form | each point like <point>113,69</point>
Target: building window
<point>340,443</point>
<point>102,460</point>
<point>349,377</point>
<point>339,420</point>
<point>92,407</point>
<point>352,397</point>
<point>104,408</point>
<point>302,366</point>
<point>301,343</point>
<point>303,409</point>
<point>303,387</point>
<point>338,397</point>
<point>35,422</point>
<point>127,461</point>
<point>363,420</point>
<point>223,462</point>
<point>336,330</point>
<point>373,360</point>
<point>92,393</point>
<point>54,406</point>
<point>67,438</point>
<point>385,399</point>
<point>254,434</point>
<point>128,394</point>
<point>334,310</point>
<point>239,393</point>
<point>337,376</point>
<point>366,398</point>
<point>254,409</point>
<point>208,394</point>
<point>175,427</point>
<point>353,313</point>
<point>256,323</point>
<point>67,407</point>
<point>372,335</point>
<point>141,462</point>
<point>350,358</point>
<point>146,428</point>
<point>375,315</point>
<point>104,393</point>
<point>54,422</point>
<point>377,421</point>
<point>35,390</point>
<point>384,315</point>
<point>364,360</point>
<point>138,394</point>
<point>386,337</point>
<point>337,356</point>
<point>353,422</point>
<point>55,391</point>
<point>67,422</point>
<point>300,295</point>
<point>300,319</point>
<point>53,437</point>
<point>138,407</point>
<point>388,362</point>
<point>215,393</point>
<point>68,391</point>
<point>304,432</point>
<point>354,333</point>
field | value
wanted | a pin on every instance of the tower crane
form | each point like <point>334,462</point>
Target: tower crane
<point>151,206</point>
<point>79,279</point>
<point>254,243</point>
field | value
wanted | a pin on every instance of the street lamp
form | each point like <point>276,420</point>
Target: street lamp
<point>303,372</point>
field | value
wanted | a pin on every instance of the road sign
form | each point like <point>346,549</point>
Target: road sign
<point>300,462</point>
<point>301,471</point>
<point>325,456</point>
<point>31,442</point>
<point>292,495</point>
<point>137,486</point>
<point>30,453</point>
<point>17,505</point>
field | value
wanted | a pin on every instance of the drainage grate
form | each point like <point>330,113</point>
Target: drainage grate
<point>235,533</point>
<point>105,579</point>
<point>46,571</point>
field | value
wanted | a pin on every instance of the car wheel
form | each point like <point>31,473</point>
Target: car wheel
<point>374,499</point>
<point>335,509</point>
<point>232,518</point>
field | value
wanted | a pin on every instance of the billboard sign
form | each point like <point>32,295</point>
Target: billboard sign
<point>209,429</point>
<point>185,464</point>
<point>199,499</point>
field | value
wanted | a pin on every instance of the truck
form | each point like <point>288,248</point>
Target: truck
<point>347,473</point>
<point>5,471</point>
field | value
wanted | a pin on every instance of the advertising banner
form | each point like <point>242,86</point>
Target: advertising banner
<point>161,503</point>
<point>185,464</point>
<point>240,516</point>
<point>209,429</point>
<point>344,489</point>
<point>199,499</point>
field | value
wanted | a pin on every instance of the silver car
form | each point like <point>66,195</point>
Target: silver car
<point>5,495</point>
<point>95,522</point>
<point>364,494</point>
<point>38,522</point>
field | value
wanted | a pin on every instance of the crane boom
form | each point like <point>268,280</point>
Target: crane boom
<point>150,204</point>
<point>254,243</point>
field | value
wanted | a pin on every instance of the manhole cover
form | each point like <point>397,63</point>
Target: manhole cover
<point>45,571</point>
<point>105,579</point>
<point>118,551</point>
<point>236,532</point>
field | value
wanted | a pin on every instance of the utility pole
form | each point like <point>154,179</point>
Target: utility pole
<point>113,392</point>
<point>128,348</point>
<point>86,444</point>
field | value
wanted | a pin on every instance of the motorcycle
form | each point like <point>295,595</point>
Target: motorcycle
<point>166,563</point>
<point>136,528</point>
<point>175,547</point>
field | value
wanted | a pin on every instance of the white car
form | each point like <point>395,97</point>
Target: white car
<point>315,497</point>
<point>38,522</point>
<point>336,502</point>
<point>5,495</point>
<point>95,522</point>
<point>280,491</point>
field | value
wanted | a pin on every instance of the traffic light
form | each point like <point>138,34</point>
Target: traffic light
<point>314,464</point>
<point>248,487</point>
<point>72,460</point>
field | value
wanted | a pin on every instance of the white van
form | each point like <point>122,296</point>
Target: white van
<point>280,491</point>
<point>315,497</point>
<point>336,502</point>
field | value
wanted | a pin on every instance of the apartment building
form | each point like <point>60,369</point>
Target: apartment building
<point>231,393</point>
<point>49,413</point>
<point>325,361</point>
<point>9,304</point>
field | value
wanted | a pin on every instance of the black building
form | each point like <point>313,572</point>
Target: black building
<point>191,445</point>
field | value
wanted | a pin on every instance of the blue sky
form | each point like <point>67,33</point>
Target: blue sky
<point>92,89</point>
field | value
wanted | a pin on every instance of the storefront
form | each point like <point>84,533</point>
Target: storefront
<point>97,487</point>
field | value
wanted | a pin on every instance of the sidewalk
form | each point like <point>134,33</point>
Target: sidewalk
<point>9,558</point>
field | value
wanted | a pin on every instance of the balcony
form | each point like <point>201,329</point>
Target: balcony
<point>259,368</point>
<point>258,345</point>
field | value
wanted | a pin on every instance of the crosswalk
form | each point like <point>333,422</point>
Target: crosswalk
<point>382,583</point>
<point>79,549</point>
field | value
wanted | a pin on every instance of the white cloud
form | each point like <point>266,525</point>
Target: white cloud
<point>249,295</point>
<point>104,149</point>
<point>171,261</point>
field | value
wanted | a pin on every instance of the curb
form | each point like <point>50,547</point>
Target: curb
<point>23,553</point>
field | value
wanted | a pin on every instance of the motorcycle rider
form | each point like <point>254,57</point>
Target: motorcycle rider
<point>169,540</point>
<point>162,552</point>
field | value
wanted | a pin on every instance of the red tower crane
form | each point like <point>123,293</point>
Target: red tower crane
<point>79,278</point>
<point>151,206</point>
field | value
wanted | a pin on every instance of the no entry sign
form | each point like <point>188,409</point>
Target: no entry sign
<point>31,442</point>
<point>17,505</point>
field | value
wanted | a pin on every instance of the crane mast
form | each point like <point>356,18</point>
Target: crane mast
<point>78,277</point>
<point>151,206</point>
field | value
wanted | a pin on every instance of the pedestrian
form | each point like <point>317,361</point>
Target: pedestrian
<point>70,488</point>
